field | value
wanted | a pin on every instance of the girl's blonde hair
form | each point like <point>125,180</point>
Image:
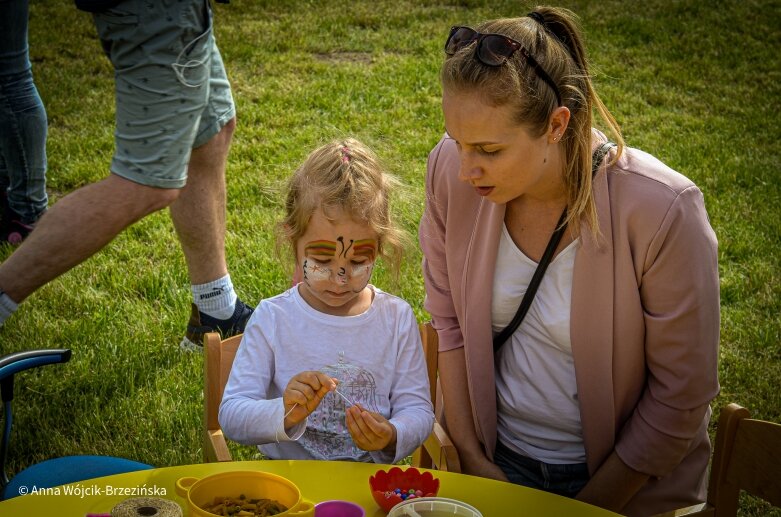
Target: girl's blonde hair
<point>555,40</point>
<point>344,175</point>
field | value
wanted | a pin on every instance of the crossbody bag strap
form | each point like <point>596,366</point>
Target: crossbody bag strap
<point>550,249</point>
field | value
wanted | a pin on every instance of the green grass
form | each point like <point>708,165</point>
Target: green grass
<point>694,83</point>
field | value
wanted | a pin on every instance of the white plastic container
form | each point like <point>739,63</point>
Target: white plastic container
<point>433,507</point>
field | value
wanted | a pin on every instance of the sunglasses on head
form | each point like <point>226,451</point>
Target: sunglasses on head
<point>495,50</point>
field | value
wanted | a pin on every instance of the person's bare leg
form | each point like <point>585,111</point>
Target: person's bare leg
<point>75,228</point>
<point>199,212</point>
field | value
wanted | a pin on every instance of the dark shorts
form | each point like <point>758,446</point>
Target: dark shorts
<point>172,93</point>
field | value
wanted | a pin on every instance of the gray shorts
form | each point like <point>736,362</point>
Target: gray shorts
<point>172,93</point>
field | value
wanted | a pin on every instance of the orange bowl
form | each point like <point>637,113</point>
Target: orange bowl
<point>388,486</point>
<point>201,492</point>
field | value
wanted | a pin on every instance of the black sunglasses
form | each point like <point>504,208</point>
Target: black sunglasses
<point>494,50</point>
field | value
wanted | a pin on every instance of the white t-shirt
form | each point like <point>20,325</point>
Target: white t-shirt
<point>376,356</point>
<point>537,396</point>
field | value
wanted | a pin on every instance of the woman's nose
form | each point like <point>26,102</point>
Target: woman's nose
<point>469,169</point>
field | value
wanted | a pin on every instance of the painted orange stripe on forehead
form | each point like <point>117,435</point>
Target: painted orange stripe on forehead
<point>365,247</point>
<point>321,247</point>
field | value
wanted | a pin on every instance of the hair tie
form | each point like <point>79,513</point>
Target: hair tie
<point>539,18</point>
<point>345,151</point>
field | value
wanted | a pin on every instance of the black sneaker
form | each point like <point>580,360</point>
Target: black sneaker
<point>201,324</point>
<point>12,230</point>
<point>5,216</point>
<point>15,232</point>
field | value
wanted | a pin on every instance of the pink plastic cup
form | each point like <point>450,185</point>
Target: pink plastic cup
<point>338,509</point>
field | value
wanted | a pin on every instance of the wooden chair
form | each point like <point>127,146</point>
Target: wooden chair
<point>437,452</point>
<point>747,456</point>
<point>54,471</point>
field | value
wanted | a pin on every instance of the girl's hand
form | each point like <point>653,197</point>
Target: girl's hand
<point>370,431</point>
<point>303,394</point>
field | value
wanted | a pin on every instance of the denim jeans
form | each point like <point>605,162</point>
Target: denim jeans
<point>23,123</point>
<point>566,479</point>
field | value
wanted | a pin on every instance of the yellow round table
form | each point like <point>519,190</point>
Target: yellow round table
<point>318,481</point>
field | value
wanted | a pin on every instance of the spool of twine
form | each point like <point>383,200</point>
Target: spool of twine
<point>146,507</point>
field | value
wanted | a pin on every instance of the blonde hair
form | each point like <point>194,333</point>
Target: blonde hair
<point>344,175</point>
<point>557,45</point>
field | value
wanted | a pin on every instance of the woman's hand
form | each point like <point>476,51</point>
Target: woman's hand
<point>370,431</point>
<point>612,485</point>
<point>480,465</point>
<point>303,394</point>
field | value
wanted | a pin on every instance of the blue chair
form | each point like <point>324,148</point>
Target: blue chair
<point>56,471</point>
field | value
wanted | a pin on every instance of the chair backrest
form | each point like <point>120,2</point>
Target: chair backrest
<point>430,341</point>
<point>747,456</point>
<point>10,365</point>
<point>438,450</point>
<point>218,360</point>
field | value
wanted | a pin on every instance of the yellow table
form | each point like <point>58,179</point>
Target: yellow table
<point>318,481</point>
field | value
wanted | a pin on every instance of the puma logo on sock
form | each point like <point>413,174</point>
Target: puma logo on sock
<point>217,291</point>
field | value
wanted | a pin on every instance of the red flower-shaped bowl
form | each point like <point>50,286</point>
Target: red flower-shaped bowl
<point>384,483</point>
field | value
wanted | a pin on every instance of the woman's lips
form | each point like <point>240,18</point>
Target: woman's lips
<point>484,191</point>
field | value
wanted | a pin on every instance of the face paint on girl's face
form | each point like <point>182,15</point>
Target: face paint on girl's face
<point>355,274</point>
<point>365,248</point>
<point>364,270</point>
<point>337,260</point>
<point>316,272</point>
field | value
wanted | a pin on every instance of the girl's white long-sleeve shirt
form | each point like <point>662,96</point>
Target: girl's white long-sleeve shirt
<point>376,356</point>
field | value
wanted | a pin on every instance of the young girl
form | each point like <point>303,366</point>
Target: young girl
<point>333,368</point>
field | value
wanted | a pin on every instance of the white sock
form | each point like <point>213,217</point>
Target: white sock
<point>7,307</point>
<point>216,299</point>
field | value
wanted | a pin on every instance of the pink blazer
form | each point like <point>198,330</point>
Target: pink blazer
<point>644,316</point>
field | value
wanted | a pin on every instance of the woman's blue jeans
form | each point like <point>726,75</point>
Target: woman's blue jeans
<point>566,480</point>
<point>23,123</point>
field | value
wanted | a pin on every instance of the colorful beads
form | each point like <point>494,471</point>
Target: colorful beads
<point>404,494</point>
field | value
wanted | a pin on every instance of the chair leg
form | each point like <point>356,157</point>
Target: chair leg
<point>422,459</point>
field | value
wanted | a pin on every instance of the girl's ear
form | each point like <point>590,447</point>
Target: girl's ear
<point>298,272</point>
<point>559,120</point>
<point>298,275</point>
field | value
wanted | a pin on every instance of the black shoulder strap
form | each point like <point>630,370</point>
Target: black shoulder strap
<point>599,155</point>
<point>553,243</point>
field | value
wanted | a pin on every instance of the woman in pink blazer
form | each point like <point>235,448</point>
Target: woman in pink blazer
<point>602,393</point>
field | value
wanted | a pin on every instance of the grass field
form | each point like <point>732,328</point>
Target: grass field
<point>698,84</point>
